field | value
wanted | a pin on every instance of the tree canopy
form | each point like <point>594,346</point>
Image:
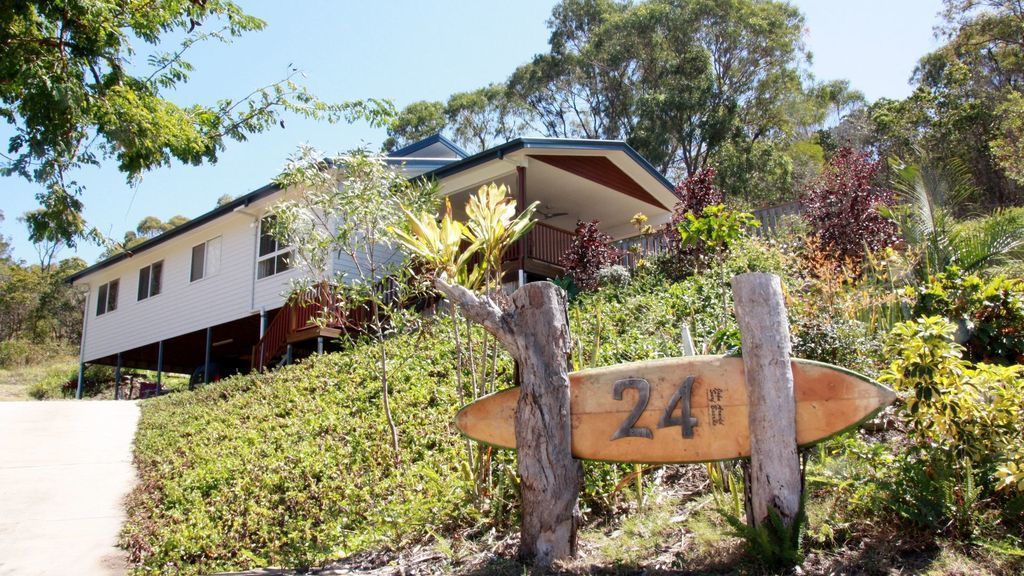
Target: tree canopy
<point>74,95</point>
<point>688,84</point>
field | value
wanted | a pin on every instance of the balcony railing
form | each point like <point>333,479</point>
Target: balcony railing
<point>543,243</point>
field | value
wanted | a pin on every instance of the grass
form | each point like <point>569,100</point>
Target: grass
<point>44,379</point>
<point>295,469</point>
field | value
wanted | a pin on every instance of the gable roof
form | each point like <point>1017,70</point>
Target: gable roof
<point>498,152</point>
<point>427,143</point>
<point>440,170</point>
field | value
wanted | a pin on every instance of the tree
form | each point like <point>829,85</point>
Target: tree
<point>224,200</point>
<point>485,117</point>
<point>350,205</point>
<point>148,227</point>
<point>965,107</point>
<point>415,122</point>
<point>675,79</point>
<point>72,101</point>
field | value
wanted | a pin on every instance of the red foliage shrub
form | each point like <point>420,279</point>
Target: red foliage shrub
<point>590,251</point>
<point>842,209</point>
<point>695,194</point>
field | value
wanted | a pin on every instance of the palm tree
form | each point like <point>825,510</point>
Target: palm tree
<point>933,201</point>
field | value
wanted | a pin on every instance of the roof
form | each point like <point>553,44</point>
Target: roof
<point>428,142</point>
<point>499,152</point>
<point>442,170</point>
<point>240,202</point>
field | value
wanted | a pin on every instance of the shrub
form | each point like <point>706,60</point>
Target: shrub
<point>52,384</point>
<point>615,275</point>
<point>590,251</point>
<point>696,192</point>
<point>989,314</point>
<point>970,411</point>
<point>836,340</point>
<point>16,353</point>
<point>701,238</point>
<point>842,209</point>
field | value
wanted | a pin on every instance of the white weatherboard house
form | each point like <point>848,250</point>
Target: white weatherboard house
<point>211,293</point>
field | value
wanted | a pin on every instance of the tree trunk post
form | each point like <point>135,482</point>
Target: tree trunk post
<point>536,332</point>
<point>774,480</point>
<point>550,479</point>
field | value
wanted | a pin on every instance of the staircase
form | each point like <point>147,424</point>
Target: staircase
<point>301,319</point>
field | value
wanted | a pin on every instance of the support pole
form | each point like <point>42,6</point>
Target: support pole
<point>209,351</point>
<point>81,380</point>
<point>159,367</point>
<point>117,378</point>
<point>319,344</point>
<point>774,462</point>
<point>524,242</point>
<point>288,355</point>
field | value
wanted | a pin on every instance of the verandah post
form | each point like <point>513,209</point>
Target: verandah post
<point>209,351</point>
<point>775,482</point>
<point>81,380</point>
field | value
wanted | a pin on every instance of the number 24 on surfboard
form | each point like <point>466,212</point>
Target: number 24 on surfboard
<point>675,410</point>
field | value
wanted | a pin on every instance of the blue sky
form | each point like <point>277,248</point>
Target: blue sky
<point>409,50</point>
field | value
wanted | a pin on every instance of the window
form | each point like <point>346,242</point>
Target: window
<point>106,300</point>
<point>150,279</point>
<point>205,259</point>
<point>274,257</point>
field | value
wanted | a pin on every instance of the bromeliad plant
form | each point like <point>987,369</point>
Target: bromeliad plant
<point>471,254</point>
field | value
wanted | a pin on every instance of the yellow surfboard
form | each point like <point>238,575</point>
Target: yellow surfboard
<point>675,410</point>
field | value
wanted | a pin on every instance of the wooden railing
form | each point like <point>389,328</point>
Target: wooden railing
<point>543,243</point>
<point>297,314</point>
<point>320,308</point>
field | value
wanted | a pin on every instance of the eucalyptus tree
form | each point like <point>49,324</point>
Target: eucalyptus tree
<point>73,96</point>
<point>341,223</point>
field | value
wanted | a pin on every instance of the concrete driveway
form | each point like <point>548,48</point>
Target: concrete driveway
<point>64,469</point>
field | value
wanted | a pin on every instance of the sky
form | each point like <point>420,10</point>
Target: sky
<point>409,50</point>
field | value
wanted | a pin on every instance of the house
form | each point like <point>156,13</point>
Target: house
<point>212,292</point>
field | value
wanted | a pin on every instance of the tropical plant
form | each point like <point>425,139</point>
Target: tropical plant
<point>930,198</point>
<point>590,251</point>
<point>843,208</point>
<point>472,255</point>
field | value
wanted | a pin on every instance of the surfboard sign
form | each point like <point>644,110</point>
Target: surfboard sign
<point>677,410</point>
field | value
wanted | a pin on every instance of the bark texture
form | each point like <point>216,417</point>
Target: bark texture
<point>774,479</point>
<point>536,332</point>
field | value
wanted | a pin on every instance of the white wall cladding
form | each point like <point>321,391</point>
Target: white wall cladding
<point>230,293</point>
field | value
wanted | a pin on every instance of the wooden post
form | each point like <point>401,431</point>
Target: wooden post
<point>81,381</point>
<point>117,378</point>
<point>536,332</point>
<point>774,463</point>
<point>159,367</point>
<point>209,352</point>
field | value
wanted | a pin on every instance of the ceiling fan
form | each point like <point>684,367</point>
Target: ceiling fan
<point>547,214</point>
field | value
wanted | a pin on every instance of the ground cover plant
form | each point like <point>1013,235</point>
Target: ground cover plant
<point>294,468</point>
